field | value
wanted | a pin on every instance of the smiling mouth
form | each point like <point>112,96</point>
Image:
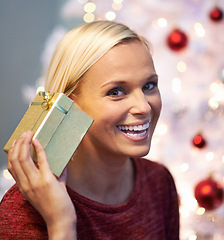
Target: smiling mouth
<point>135,131</point>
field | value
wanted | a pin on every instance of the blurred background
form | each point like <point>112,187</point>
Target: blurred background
<point>187,40</point>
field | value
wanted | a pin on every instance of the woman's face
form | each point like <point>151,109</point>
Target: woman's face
<point>120,93</point>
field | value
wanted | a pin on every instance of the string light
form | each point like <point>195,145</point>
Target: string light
<point>89,8</point>
<point>181,66</point>
<point>214,87</point>
<point>218,91</point>
<point>110,15</point>
<point>213,103</point>
<point>200,211</point>
<point>184,167</point>
<point>199,29</point>
<point>159,23</point>
<point>192,237</point>
<point>89,17</point>
<point>162,22</point>
<point>209,156</point>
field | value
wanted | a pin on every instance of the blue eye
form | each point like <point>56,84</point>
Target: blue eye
<point>115,92</point>
<point>149,86</point>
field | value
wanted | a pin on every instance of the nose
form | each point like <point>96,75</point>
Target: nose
<point>140,104</point>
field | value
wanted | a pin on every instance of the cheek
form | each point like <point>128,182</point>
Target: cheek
<point>156,106</point>
<point>108,111</point>
<point>156,103</point>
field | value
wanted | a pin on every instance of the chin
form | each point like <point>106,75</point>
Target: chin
<point>140,153</point>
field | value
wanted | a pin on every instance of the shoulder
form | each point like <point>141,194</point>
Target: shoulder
<point>149,167</point>
<point>18,217</point>
<point>13,192</point>
<point>156,180</point>
<point>154,173</point>
<point>13,201</point>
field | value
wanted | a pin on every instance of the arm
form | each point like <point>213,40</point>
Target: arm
<point>38,184</point>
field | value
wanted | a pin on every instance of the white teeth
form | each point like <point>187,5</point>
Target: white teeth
<point>137,134</point>
<point>135,128</point>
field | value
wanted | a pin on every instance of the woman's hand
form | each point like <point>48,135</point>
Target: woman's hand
<point>43,190</point>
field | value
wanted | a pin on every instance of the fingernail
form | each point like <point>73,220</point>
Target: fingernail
<point>23,135</point>
<point>13,144</point>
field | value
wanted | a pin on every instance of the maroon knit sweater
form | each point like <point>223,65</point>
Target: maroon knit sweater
<point>151,212</point>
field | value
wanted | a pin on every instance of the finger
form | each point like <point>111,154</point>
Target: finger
<point>9,156</point>
<point>14,163</point>
<point>25,159</point>
<point>43,164</point>
<point>63,176</point>
<point>14,150</point>
<point>13,156</point>
<point>11,171</point>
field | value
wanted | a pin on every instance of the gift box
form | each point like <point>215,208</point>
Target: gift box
<point>58,123</point>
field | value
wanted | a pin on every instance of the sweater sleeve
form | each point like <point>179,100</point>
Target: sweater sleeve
<point>19,219</point>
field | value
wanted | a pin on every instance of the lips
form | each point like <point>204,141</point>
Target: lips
<point>136,130</point>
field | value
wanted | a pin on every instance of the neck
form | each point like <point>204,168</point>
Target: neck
<point>108,180</point>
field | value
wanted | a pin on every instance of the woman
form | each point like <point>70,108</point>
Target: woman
<point>108,190</point>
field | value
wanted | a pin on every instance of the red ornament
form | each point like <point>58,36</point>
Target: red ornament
<point>209,194</point>
<point>216,14</point>
<point>198,141</point>
<point>177,40</point>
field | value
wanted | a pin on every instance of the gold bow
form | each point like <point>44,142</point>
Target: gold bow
<point>47,97</point>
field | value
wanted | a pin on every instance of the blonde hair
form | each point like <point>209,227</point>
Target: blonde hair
<point>80,49</point>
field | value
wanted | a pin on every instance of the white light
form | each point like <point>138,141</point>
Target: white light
<point>162,22</point>
<point>200,211</point>
<point>214,87</point>
<point>223,158</point>
<point>192,237</point>
<point>89,17</point>
<point>181,66</point>
<point>110,15</point>
<point>89,7</point>
<point>213,103</point>
<point>199,29</point>
<point>218,90</point>
<point>176,85</point>
<point>7,174</point>
<point>209,156</point>
<point>184,167</point>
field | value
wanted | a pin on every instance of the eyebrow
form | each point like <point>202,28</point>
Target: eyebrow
<point>114,82</point>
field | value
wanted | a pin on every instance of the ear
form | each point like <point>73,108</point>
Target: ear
<point>74,98</point>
